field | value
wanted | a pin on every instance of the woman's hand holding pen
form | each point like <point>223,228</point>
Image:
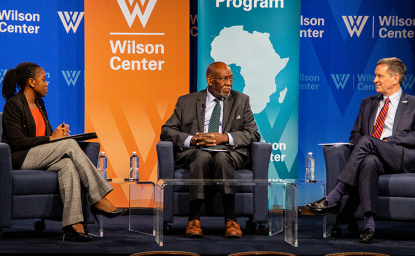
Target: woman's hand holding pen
<point>61,131</point>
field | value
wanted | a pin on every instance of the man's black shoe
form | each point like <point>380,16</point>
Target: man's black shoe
<point>368,236</point>
<point>321,207</point>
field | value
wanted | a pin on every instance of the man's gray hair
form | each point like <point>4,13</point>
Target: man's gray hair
<point>395,66</point>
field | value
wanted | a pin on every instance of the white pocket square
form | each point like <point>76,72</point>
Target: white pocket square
<point>238,117</point>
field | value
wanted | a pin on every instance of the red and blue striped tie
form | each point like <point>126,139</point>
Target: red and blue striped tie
<point>380,121</point>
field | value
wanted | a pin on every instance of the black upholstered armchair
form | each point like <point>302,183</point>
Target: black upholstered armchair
<point>396,193</point>
<point>34,194</point>
<point>251,202</point>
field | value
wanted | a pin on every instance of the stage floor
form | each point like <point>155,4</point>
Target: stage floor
<point>393,238</point>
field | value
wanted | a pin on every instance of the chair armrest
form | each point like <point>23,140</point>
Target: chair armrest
<point>91,150</point>
<point>165,160</point>
<point>336,157</point>
<point>165,167</point>
<point>5,186</point>
<point>260,155</point>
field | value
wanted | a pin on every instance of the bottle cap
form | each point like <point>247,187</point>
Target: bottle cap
<point>134,152</point>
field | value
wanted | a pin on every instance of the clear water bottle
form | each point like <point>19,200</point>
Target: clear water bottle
<point>134,164</point>
<point>102,165</point>
<point>310,164</point>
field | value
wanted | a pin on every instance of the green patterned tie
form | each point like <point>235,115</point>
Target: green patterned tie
<point>214,120</point>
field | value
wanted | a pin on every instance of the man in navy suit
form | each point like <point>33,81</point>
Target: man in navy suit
<point>208,152</point>
<point>384,140</point>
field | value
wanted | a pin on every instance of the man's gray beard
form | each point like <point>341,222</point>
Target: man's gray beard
<point>220,95</point>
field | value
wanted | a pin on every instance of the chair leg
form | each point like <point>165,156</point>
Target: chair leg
<point>40,225</point>
<point>262,230</point>
<point>250,225</point>
<point>353,227</point>
<point>336,231</point>
<point>167,228</point>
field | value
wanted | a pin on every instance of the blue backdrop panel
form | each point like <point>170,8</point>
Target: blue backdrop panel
<point>260,42</point>
<point>340,46</point>
<point>34,31</point>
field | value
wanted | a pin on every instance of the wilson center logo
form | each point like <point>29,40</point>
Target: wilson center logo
<point>71,76</point>
<point>71,20</point>
<point>408,82</point>
<point>2,73</point>
<point>340,80</point>
<point>135,5</point>
<point>355,24</point>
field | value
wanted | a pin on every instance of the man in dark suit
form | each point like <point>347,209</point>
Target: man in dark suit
<point>384,139</point>
<point>212,131</point>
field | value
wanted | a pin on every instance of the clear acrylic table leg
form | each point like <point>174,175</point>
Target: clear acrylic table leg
<point>275,209</point>
<point>97,229</point>
<point>291,214</point>
<point>159,212</point>
<point>141,208</point>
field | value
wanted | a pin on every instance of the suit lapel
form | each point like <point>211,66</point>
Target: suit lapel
<point>28,115</point>
<point>403,102</point>
<point>200,109</point>
<point>373,112</point>
<point>227,105</point>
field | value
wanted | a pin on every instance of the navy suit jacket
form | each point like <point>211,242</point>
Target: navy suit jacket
<point>189,115</point>
<point>403,132</point>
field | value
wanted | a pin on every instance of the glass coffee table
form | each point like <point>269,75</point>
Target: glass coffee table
<point>310,192</point>
<point>282,204</point>
<point>141,208</point>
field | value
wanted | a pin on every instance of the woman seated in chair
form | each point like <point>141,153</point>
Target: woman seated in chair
<point>27,131</point>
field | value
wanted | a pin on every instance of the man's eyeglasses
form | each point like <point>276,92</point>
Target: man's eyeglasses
<point>225,79</point>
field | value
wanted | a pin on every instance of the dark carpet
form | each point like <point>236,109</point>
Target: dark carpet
<point>393,238</point>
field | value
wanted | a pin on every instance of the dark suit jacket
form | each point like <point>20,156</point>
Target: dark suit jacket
<point>403,132</point>
<point>188,119</point>
<point>19,128</point>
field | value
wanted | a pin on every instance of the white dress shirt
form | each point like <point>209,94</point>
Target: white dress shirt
<point>390,117</point>
<point>210,105</point>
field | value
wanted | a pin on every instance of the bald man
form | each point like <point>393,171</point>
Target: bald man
<point>212,131</point>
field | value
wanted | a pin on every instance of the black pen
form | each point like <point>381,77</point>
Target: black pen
<point>63,124</point>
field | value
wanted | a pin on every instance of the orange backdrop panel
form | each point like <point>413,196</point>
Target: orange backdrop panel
<point>132,84</point>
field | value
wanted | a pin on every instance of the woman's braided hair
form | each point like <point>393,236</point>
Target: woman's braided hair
<point>18,75</point>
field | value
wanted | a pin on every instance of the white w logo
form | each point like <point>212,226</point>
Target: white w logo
<point>68,21</point>
<point>340,80</point>
<point>2,74</point>
<point>408,82</point>
<point>71,76</point>
<point>355,24</point>
<point>129,17</point>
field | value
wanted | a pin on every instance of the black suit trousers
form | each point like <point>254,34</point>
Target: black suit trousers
<point>370,158</point>
<point>210,165</point>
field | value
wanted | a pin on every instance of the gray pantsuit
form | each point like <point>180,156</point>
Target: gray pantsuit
<point>74,168</point>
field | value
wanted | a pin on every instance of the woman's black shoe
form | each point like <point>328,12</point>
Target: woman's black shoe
<point>81,237</point>
<point>110,215</point>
